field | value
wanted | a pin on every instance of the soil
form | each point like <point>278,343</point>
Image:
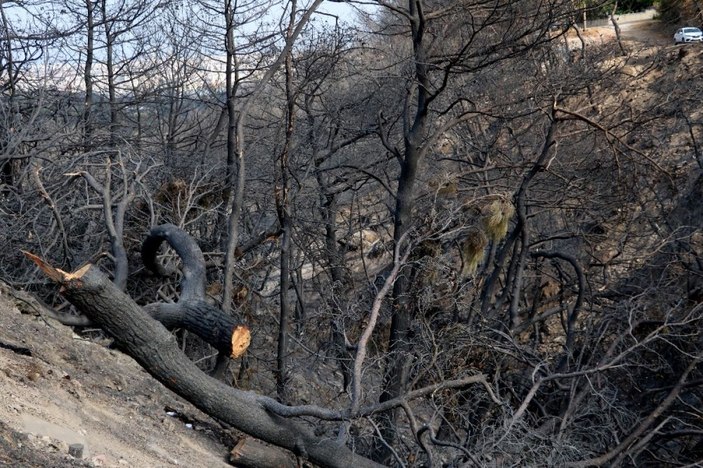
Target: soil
<point>59,389</point>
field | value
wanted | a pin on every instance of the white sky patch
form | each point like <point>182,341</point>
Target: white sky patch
<point>61,60</point>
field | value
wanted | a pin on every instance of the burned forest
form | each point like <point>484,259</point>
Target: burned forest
<point>395,233</point>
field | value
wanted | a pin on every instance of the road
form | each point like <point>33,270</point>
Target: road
<point>650,32</point>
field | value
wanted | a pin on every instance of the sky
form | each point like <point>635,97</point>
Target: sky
<point>345,11</point>
<point>56,60</point>
<point>51,11</point>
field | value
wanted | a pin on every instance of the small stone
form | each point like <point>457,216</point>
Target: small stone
<point>98,460</point>
<point>168,424</point>
<point>59,446</point>
<point>122,461</point>
<point>76,450</point>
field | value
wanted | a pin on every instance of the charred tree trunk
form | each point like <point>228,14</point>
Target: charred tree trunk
<point>193,282</point>
<point>223,332</point>
<point>236,180</point>
<point>110,38</point>
<point>88,76</point>
<point>283,207</point>
<point>155,349</point>
<point>250,453</point>
<point>403,309</point>
<point>508,247</point>
<point>236,167</point>
<point>616,27</point>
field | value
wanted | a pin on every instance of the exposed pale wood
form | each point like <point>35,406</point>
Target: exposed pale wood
<point>52,273</point>
<point>241,338</point>
<point>222,331</point>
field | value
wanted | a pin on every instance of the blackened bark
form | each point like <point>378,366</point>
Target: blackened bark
<point>88,76</point>
<point>236,167</point>
<point>403,311</point>
<point>250,453</point>
<point>516,234</point>
<point>193,282</point>
<point>575,309</point>
<point>155,349</point>
<point>235,200</point>
<point>219,330</point>
<point>285,218</point>
<point>616,26</point>
<point>110,39</point>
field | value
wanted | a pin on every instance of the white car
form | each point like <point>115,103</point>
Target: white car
<point>688,35</point>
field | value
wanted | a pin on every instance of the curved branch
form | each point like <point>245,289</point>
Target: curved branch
<point>193,282</point>
<point>114,217</point>
<point>581,279</point>
<point>35,306</point>
<point>509,244</point>
<point>644,424</point>
<point>342,415</point>
<point>54,210</point>
<point>398,262</point>
<point>612,138</point>
<point>224,332</point>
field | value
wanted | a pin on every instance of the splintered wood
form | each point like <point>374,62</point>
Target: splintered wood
<point>55,274</point>
<point>241,337</point>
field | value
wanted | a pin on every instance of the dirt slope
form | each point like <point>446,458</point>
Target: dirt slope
<point>58,389</point>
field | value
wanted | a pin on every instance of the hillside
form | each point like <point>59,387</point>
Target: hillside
<point>59,389</point>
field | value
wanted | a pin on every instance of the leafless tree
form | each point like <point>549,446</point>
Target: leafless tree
<point>486,230</point>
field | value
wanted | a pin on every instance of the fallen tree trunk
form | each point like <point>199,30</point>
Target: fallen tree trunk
<point>251,453</point>
<point>155,349</point>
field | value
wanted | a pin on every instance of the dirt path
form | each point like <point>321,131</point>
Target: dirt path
<point>637,34</point>
<point>649,32</point>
